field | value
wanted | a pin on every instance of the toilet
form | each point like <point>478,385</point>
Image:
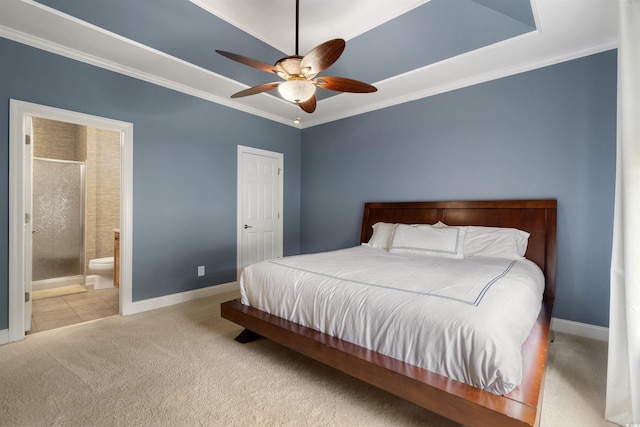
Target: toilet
<point>103,269</point>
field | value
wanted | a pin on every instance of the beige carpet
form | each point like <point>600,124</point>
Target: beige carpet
<point>57,292</point>
<point>179,366</point>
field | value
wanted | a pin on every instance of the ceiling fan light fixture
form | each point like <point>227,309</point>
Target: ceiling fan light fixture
<point>298,90</point>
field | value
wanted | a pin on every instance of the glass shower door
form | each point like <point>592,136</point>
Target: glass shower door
<point>57,219</point>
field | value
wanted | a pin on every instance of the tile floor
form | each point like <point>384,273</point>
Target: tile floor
<point>52,313</point>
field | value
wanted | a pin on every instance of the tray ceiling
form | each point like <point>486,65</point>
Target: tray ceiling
<point>409,49</point>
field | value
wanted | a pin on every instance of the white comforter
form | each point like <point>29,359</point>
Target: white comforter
<point>465,319</point>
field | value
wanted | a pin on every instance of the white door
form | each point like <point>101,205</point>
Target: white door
<point>260,186</point>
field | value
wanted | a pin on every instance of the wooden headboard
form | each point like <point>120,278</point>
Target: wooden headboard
<point>537,217</point>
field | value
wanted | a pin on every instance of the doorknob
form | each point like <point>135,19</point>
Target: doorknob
<point>247,226</point>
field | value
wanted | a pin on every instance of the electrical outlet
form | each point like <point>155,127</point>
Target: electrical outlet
<point>200,270</point>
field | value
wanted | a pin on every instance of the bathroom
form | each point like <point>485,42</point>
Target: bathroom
<point>76,171</point>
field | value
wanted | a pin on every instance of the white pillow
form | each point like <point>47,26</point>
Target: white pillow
<point>428,240</point>
<point>495,242</point>
<point>382,235</point>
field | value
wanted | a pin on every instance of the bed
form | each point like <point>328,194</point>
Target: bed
<point>441,394</point>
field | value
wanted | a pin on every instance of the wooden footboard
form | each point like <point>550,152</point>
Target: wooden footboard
<point>451,399</point>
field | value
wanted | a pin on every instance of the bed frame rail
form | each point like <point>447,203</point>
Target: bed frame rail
<point>452,399</point>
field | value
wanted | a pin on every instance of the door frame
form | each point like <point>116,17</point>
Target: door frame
<point>240,197</point>
<point>17,210</point>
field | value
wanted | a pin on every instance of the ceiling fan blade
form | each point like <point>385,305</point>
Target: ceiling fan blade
<point>256,89</point>
<point>263,66</point>
<point>340,84</point>
<point>322,56</point>
<point>309,105</point>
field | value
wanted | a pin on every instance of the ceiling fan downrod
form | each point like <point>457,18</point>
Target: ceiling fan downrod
<point>297,24</point>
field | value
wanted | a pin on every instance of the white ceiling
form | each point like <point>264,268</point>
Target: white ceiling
<point>566,29</point>
<point>319,20</point>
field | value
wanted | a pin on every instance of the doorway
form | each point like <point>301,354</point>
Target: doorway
<point>75,215</point>
<point>23,220</point>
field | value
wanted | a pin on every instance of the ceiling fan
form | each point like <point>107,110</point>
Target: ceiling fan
<point>299,73</point>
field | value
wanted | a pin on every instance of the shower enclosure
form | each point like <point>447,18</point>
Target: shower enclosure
<point>58,223</point>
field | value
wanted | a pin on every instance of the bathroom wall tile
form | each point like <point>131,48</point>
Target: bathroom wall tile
<point>90,211</point>
<point>108,189</point>
<point>54,140</point>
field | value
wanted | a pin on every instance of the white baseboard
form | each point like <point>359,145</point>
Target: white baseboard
<point>585,330</point>
<point>168,300</point>
<point>4,336</point>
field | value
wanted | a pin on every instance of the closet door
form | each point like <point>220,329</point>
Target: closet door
<point>260,206</point>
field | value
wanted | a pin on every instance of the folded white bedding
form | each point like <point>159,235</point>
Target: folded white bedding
<point>463,318</point>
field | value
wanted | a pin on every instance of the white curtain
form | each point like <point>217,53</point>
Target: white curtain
<point>623,375</point>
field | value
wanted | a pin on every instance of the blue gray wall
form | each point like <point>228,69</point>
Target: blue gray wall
<point>185,167</point>
<point>548,133</point>
<point>545,133</point>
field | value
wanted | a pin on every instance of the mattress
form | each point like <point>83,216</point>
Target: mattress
<point>462,318</point>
